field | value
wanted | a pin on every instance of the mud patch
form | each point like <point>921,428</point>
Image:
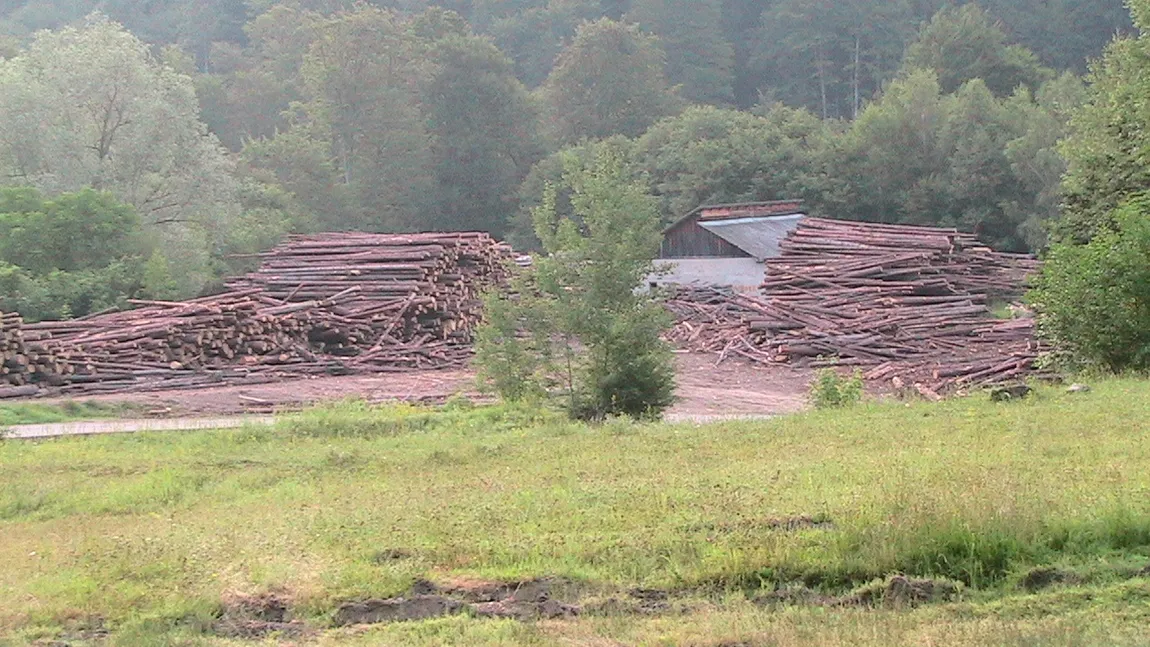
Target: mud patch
<point>391,555</point>
<point>793,596</point>
<point>258,616</point>
<point>525,601</point>
<point>1044,576</point>
<point>420,607</point>
<point>86,631</point>
<point>899,591</point>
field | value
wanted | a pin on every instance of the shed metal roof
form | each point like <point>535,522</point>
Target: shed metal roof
<point>759,237</point>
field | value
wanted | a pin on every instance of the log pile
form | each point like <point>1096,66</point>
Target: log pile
<point>24,363</point>
<point>419,286</point>
<point>326,304</point>
<point>910,305</point>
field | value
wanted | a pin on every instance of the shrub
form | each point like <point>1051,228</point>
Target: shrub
<point>1093,299</point>
<point>831,390</point>
<point>577,319</point>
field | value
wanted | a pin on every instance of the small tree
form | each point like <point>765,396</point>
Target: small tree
<point>1093,300</point>
<point>577,318</point>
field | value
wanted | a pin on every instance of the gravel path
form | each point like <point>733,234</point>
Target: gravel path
<point>98,427</point>
<point>95,427</point>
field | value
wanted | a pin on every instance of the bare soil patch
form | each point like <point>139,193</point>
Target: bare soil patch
<point>706,391</point>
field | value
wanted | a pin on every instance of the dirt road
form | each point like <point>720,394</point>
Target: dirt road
<point>707,393</point>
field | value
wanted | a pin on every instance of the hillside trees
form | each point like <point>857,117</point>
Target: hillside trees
<point>90,106</point>
<point>483,129</point>
<point>710,155</point>
<point>830,56</point>
<point>1093,295</point>
<point>1108,146</point>
<point>609,81</point>
<point>966,160</point>
<point>699,60</point>
<point>357,151</point>
<point>963,43</point>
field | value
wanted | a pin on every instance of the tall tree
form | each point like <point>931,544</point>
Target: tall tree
<point>90,106</point>
<point>609,81</point>
<point>830,56</point>
<point>1108,146</point>
<point>699,60</point>
<point>964,43</point>
<point>710,155</point>
<point>358,136</point>
<point>484,133</point>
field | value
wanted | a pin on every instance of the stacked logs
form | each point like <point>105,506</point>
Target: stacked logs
<point>410,287</point>
<point>24,363</point>
<point>905,304</point>
<point>326,304</point>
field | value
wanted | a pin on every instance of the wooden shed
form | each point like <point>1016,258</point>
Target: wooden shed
<point>726,244</point>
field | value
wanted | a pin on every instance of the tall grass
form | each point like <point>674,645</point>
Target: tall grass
<point>153,528</point>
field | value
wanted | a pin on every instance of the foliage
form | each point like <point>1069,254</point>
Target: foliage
<point>963,43</point>
<point>360,79</point>
<point>1107,148</point>
<point>700,61</point>
<point>830,390</point>
<point>829,56</point>
<point>548,174</point>
<point>609,81</point>
<point>966,160</point>
<point>710,155</point>
<point>608,355</point>
<point>484,136</point>
<point>73,255</point>
<point>90,106</point>
<point>1093,299</point>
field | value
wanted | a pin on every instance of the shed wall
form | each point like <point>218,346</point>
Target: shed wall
<point>689,240</point>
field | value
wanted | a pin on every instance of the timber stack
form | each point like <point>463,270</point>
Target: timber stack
<point>909,305</point>
<point>318,305</point>
<point>25,364</point>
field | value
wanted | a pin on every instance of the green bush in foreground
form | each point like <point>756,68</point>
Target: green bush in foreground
<point>1093,300</point>
<point>575,324</point>
<point>831,390</point>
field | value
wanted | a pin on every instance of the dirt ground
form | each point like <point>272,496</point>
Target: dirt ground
<point>705,391</point>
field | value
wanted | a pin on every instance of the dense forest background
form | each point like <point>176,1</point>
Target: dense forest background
<point>188,135</point>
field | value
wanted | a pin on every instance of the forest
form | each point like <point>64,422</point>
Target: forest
<point>151,147</point>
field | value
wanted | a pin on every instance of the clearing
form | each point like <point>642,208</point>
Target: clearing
<point>1016,524</point>
<point>705,391</point>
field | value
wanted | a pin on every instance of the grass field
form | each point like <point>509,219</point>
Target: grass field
<point>1033,516</point>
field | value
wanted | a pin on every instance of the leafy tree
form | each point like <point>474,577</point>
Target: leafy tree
<point>72,255</point>
<point>90,106</point>
<point>1108,145</point>
<point>711,155</point>
<point>920,156</point>
<point>827,55</point>
<point>609,81</point>
<point>548,175</point>
<point>484,133</point>
<point>963,43</point>
<point>1094,299</point>
<point>357,146</point>
<point>610,356</point>
<point>699,60</point>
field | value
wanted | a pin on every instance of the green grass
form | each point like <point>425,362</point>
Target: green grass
<point>147,535</point>
<point>24,413</point>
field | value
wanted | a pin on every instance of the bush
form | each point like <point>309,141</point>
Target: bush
<point>1093,299</point>
<point>576,320</point>
<point>831,390</point>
